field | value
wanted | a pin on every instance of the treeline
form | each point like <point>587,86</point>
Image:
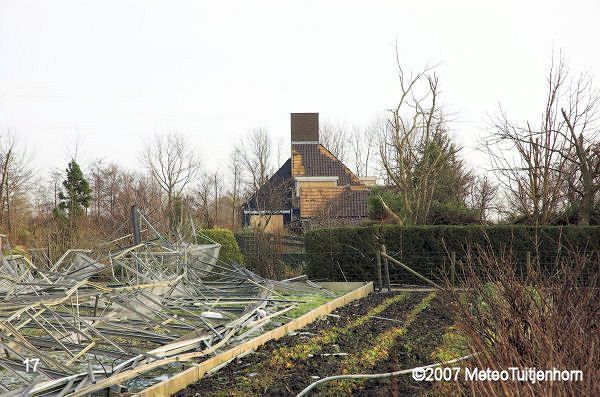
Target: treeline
<point>87,204</point>
<point>545,170</point>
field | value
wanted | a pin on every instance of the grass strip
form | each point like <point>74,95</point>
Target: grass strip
<point>377,351</point>
<point>286,357</point>
<point>309,303</point>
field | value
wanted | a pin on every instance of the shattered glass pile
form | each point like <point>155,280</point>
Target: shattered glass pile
<point>124,317</point>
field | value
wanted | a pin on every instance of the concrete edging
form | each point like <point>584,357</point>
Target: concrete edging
<point>195,373</point>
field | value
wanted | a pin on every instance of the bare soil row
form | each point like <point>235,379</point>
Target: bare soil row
<point>379,333</point>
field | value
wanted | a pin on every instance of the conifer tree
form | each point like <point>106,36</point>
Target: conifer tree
<point>77,194</point>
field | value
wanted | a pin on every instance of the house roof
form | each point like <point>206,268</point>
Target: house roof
<point>276,193</point>
<point>334,201</point>
<point>346,200</point>
<point>352,203</point>
<point>313,159</point>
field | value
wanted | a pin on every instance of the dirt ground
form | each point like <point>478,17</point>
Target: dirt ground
<point>379,333</point>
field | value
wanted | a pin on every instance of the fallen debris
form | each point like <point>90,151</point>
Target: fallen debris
<point>111,319</point>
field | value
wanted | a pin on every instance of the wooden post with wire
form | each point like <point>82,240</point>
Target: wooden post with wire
<point>386,267</point>
<point>453,269</point>
<point>379,277</point>
<point>397,262</point>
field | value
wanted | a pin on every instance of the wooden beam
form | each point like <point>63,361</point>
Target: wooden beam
<point>386,256</point>
<point>192,375</point>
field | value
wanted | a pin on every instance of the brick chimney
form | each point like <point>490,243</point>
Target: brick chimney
<point>305,127</point>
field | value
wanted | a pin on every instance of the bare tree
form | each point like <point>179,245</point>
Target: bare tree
<point>526,157</point>
<point>235,171</point>
<point>203,194</point>
<point>173,163</point>
<point>363,144</point>
<point>97,186</point>
<point>217,187</point>
<point>335,139</point>
<point>16,175</point>
<point>112,176</point>
<point>417,155</point>
<point>106,182</point>
<point>139,188</point>
<point>482,197</point>
<point>580,115</point>
<point>537,163</point>
<point>256,156</point>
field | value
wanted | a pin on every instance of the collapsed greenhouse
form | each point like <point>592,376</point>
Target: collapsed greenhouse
<point>127,314</point>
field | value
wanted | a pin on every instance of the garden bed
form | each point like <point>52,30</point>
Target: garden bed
<point>379,333</point>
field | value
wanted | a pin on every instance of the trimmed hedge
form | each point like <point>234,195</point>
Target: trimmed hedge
<point>340,254</point>
<point>230,251</point>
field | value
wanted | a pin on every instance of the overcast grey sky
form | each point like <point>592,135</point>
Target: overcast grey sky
<point>116,72</point>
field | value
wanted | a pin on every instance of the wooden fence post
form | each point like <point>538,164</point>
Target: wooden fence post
<point>453,269</point>
<point>379,278</point>
<point>386,268</point>
<point>419,275</point>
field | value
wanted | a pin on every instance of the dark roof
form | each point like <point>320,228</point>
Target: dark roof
<point>313,160</point>
<point>283,174</point>
<point>351,204</point>
<point>316,160</point>
<point>276,193</point>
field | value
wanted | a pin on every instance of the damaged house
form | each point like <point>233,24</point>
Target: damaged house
<point>312,188</point>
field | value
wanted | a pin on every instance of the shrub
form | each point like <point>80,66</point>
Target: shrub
<point>392,199</point>
<point>230,251</point>
<point>16,250</point>
<point>331,253</point>
<point>449,213</point>
<point>349,253</point>
<point>268,255</point>
<point>531,321</point>
<point>446,212</point>
<point>24,236</point>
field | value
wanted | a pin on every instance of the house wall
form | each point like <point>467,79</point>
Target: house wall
<point>270,223</point>
<point>316,184</point>
<point>320,185</point>
<point>314,199</point>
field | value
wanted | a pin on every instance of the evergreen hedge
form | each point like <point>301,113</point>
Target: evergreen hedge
<point>340,254</point>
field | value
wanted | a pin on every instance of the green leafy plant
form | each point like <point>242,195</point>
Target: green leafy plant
<point>230,251</point>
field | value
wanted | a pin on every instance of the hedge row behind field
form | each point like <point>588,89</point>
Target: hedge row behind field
<point>340,254</point>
